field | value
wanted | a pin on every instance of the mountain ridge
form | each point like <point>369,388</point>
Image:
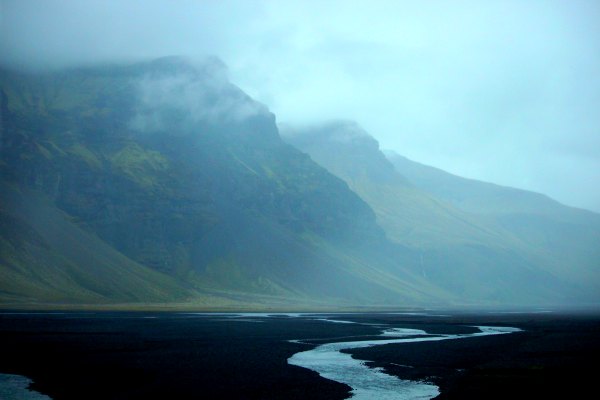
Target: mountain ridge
<point>162,184</point>
<point>570,235</point>
<point>429,178</point>
<point>461,250</point>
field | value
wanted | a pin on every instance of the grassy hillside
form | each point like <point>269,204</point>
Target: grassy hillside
<point>473,256</point>
<point>569,238</point>
<point>45,257</point>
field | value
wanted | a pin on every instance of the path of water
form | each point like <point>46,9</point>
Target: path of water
<point>373,383</point>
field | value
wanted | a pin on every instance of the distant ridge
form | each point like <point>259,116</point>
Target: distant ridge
<point>569,237</point>
<point>477,240</point>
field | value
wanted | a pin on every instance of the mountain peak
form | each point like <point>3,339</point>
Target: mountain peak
<point>345,149</point>
<point>341,131</point>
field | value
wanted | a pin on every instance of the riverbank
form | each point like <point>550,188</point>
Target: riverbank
<point>229,356</point>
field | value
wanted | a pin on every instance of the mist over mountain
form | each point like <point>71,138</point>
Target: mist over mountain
<point>196,199</point>
<point>169,168</point>
<point>163,184</point>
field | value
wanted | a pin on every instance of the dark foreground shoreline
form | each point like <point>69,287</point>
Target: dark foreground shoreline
<point>108,355</point>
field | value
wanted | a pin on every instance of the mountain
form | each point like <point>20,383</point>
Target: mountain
<point>569,236</point>
<point>477,256</point>
<point>162,182</point>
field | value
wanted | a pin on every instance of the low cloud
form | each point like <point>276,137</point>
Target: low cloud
<point>183,94</point>
<point>505,91</point>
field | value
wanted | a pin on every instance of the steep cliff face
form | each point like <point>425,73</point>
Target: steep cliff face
<point>177,169</point>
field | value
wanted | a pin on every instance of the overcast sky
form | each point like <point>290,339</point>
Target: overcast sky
<point>503,91</point>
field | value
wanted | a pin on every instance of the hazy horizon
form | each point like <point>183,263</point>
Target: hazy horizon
<point>503,91</point>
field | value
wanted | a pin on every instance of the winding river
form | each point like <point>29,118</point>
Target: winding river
<point>372,383</point>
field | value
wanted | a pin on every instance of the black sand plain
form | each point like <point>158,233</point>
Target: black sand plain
<point>182,356</point>
<point>554,357</point>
